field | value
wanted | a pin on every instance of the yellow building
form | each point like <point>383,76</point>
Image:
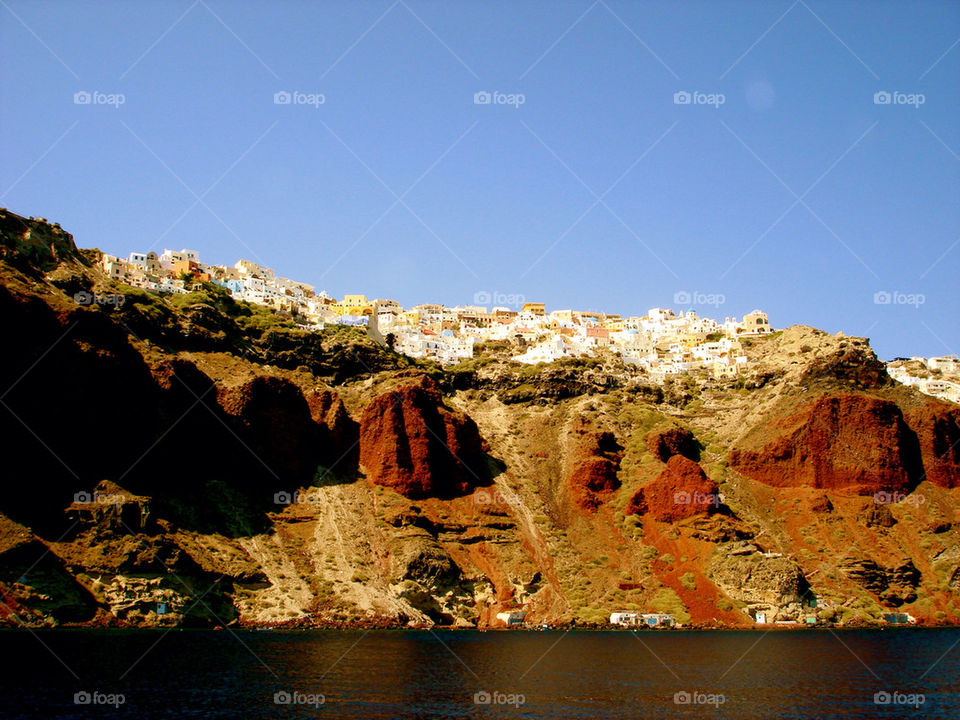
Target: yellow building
<point>533,308</point>
<point>755,323</point>
<point>353,305</point>
<point>613,323</point>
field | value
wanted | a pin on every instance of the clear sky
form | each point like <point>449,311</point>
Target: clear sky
<point>798,191</point>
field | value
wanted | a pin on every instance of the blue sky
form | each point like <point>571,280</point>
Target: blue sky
<point>798,194</point>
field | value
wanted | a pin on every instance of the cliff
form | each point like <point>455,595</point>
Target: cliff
<point>163,450</point>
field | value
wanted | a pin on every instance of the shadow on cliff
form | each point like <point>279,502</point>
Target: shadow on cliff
<point>80,405</point>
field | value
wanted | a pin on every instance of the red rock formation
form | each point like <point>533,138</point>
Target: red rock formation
<point>837,441</point>
<point>682,490</point>
<point>412,442</point>
<point>665,442</point>
<point>938,431</point>
<point>595,461</point>
<point>339,433</point>
<point>275,420</point>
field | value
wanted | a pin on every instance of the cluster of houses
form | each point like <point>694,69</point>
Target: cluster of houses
<point>662,342</point>
<point>633,619</point>
<point>936,382</point>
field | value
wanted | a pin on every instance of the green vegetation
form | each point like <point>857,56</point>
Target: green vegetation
<point>666,600</point>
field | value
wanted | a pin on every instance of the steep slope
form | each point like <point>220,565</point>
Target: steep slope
<point>192,460</point>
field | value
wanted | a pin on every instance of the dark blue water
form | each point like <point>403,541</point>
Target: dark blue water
<point>394,674</point>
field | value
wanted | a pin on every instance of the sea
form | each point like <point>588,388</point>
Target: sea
<point>391,674</point>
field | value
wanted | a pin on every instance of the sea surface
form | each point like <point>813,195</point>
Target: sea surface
<point>901,673</point>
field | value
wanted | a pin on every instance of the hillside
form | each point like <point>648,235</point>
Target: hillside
<point>193,460</point>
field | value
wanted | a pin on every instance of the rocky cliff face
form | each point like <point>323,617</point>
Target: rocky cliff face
<point>594,461</point>
<point>159,451</point>
<point>411,442</point>
<point>669,440</point>
<point>840,441</point>
<point>937,426</point>
<point>274,415</point>
<point>682,490</point>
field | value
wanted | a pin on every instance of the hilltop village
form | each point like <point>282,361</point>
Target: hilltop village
<point>662,342</point>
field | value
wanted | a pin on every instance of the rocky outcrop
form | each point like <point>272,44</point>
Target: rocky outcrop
<point>36,589</point>
<point>772,585</point>
<point>682,490</point>
<point>412,442</point>
<point>339,433</point>
<point>111,509</point>
<point>32,244</point>
<point>275,420</point>
<point>839,441</point>
<point>666,441</point>
<point>937,425</point>
<point>894,585</point>
<point>877,515</point>
<point>594,461</point>
<point>852,362</point>
<point>821,504</point>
